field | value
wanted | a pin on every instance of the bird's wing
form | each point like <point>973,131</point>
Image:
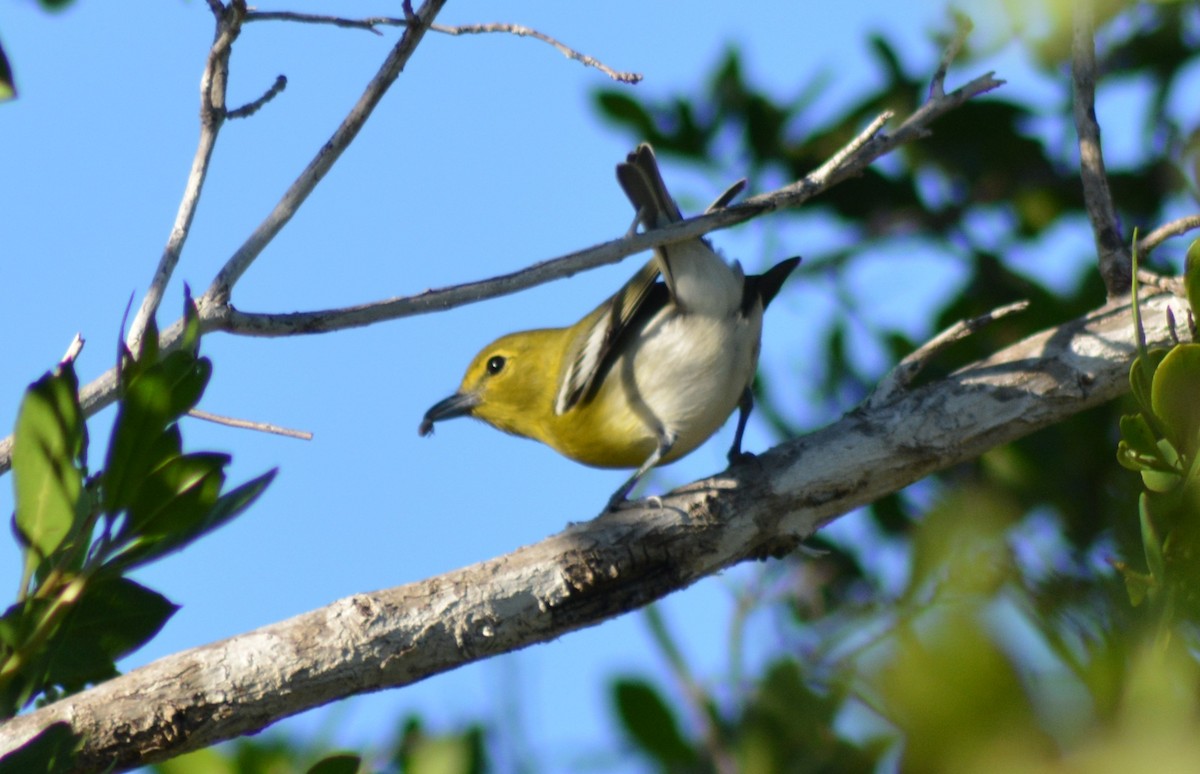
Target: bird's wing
<point>590,354</point>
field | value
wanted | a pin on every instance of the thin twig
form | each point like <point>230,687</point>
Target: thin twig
<point>246,424</point>
<point>822,172</point>
<point>1114,258</point>
<point>962,28</point>
<point>521,31</point>
<point>218,293</point>
<point>73,350</point>
<point>250,108</point>
<point>1166,231</point>
<point>907,369</point>
<point>217,314</point>
<point>212,117</point>
<point>369,24</point>
<point>697,697</point>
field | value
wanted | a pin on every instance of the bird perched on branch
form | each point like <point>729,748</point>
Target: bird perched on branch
<point>648,375</point>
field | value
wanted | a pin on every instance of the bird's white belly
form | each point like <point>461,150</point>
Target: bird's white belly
<point>689,372</point>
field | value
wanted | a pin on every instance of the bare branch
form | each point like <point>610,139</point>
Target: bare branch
<point>600,568</point>
<point>911,365</point>
<point>835,161</point>
<point>1115,262</point>
<point>520,31</point>
<point>962,28</point>
<point>250,108</point>
<point>851,160</point>
<point>914,127</point>
<point>218,293</point>
<point>1166,231</point>
<point>371,23</point>
<point>212,116</point>
<point>73,350</point>
<point>246,424</point>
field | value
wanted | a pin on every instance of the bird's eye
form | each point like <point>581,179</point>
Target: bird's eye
<point>495,365</point>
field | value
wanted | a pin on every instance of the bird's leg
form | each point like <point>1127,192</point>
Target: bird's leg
<point>665,442</point>
<point>745,405</point>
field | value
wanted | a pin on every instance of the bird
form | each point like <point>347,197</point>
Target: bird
<point>648,375</point>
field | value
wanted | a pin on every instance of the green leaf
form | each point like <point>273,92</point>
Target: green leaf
<point>344,763</point>
<point>1173,398</point>
<point>153,398</point>
<point>141,419</point>
<point>1160,481</point>
<point>50,752</point>
<point>114,616</point>
<point>176,495</point>
<point>22,680</point>
<point>622,109</point>
<point>1139,438</point>
<point>649,722</point>
<point>1191,276</point>
<point>190,342</point>
<point>1137,585</point>
<point>148,350</point>
<point>226,507</point>
<point>448,754</point>
<point>237,500</point>
<point>8,86</point>
<point>1141,376</point>
<point>48,447</point>
<point>187,376</point>
<point>1151,542</point>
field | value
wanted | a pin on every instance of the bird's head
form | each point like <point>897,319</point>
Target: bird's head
<point>510,385</point>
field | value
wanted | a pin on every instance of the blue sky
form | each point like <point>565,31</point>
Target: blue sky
<point>487,155</point>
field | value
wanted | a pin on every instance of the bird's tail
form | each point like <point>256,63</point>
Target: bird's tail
<point>644,186</point>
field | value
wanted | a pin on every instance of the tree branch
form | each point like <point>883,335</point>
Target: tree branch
<point>902,375</point>
<point>246,424</point>
<point>521,31</point>
<point>213,86</point>
<point>850,160</point>
<point>219,315</point>
<point>601,568</point>
<point>218,293</point>
<point>1166,231</point>
<point>250,108</point>
<point>1115,262</point>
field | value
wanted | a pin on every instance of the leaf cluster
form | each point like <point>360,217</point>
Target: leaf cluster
<point>81,533</point>
<point>1009,623</point>
<point>1161,441</point>
<point>414,749</point>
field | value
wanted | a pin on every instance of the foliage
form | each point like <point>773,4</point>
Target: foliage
<point>1011,644</point>
<point>76,612</point>
<point>1161,441</point>
<point>8,85</point>
<point>414,750</point>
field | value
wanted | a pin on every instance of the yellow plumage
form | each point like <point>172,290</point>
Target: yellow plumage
<point>648,375</point>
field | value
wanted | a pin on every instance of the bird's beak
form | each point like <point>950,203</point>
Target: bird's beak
<point>457,405</point>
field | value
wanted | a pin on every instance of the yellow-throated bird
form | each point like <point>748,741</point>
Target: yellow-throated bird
<point>651,373</point>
